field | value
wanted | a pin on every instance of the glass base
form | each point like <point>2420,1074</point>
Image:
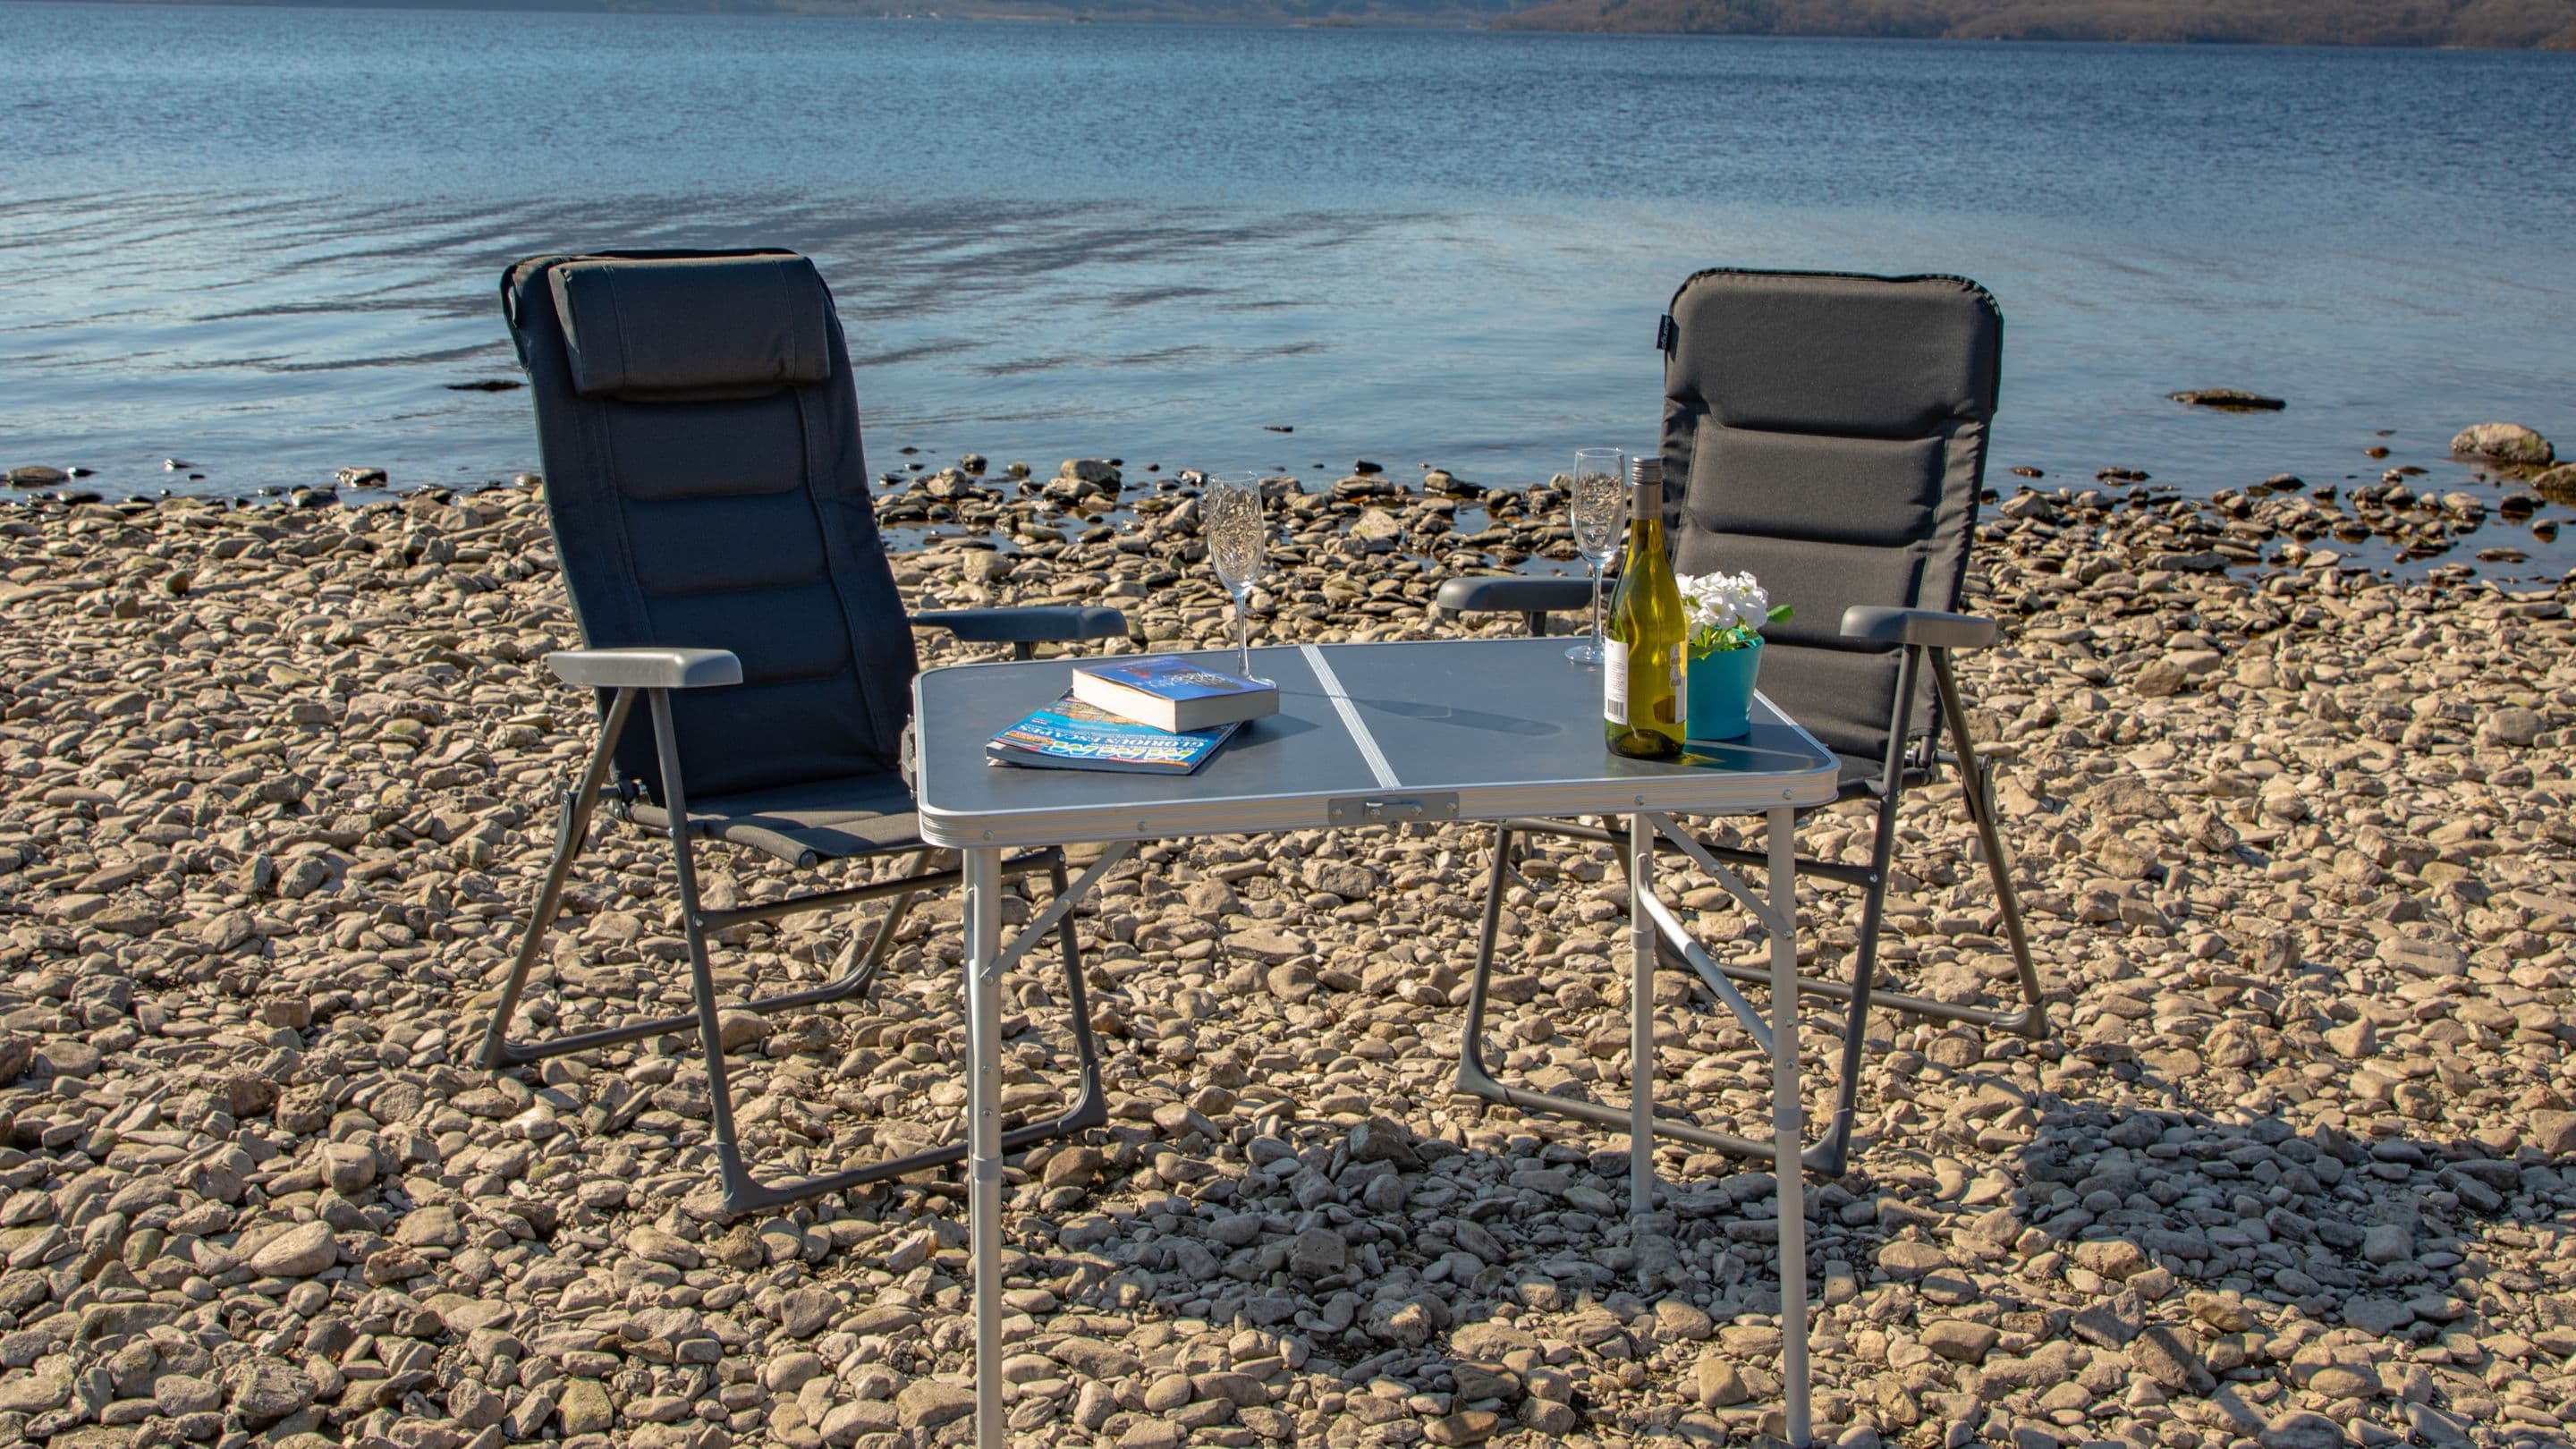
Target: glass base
<point>1587,652</point>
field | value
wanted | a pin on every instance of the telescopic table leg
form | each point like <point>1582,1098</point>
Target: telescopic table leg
<point>984,1134</point>
<point>1642,944</point>
<point>1789,1131</point>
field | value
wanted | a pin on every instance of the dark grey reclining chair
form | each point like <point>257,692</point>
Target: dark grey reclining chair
<point>1828,433</point>
<point>700,433</point>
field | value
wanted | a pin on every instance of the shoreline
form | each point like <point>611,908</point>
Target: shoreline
<point>2405,521</point>
<point>2298,1166</point>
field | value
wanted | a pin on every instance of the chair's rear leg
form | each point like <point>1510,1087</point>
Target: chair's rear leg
<point>1091,1107</point>
<point>572,830</point>
<point>1473,1075</point>
<point>2033,1019</point>
<point>738,1186</point>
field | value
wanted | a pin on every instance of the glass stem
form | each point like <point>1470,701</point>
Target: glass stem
<point>1596,602</point>
<point>1243,634</point>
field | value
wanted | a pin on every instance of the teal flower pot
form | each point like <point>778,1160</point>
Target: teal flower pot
<point>1718,692</point>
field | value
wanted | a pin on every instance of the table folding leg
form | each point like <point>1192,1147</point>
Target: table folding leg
<point>1788,1168</point>
<point>1641,1017</point>
<point>984,1134</point>
<point>1647,921</point>
<point>988,959</point>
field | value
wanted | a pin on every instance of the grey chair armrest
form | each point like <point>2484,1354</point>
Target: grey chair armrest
<point>645,668</point>
<point>1928,628</point>
<point>1507,594</point>
<point>1035,624</point>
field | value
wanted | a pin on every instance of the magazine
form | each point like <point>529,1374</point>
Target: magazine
<point>1072,735</point>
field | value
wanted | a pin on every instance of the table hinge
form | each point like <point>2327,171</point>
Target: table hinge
<point>1391,809</point>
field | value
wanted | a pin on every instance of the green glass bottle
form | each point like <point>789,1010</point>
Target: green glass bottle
<point>1641,691</point>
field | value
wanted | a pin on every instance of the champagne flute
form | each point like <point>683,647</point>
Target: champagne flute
<point>1600,508</point>
<point>1238,548</point>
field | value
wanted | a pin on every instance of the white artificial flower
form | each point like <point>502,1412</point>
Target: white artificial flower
<point>1720,602</point>
<point>1726,611</point>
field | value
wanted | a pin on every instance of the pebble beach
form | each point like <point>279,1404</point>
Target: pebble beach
<point>2296,1168</point>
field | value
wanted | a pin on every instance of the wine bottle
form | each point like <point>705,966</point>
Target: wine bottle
<point>1641,704</point>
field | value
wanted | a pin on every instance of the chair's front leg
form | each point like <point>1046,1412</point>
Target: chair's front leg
<point>1473,1075</point>
<point>572,828</point>
<point>1086,1052</point>
<point>1873,917</point>
<point>738,1186</point>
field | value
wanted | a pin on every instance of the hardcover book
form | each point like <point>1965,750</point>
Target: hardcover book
<point>1072,735</point>
<point>1171,693</point>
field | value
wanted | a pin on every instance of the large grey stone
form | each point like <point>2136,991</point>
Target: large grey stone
<point>929,1403</point>
<point>299,1252</point>
<point>807,1311</point>
<point>2553,1134</point>
<point>2299,1429</point>
<point>264,1390</point>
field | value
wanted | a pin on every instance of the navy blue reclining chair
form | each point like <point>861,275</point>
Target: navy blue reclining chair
<point>1826,432</point>
<point>700,436</point>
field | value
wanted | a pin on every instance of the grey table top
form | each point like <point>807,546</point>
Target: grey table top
<point>1453,729</point>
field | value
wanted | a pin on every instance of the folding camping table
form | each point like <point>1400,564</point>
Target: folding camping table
<point>1366,735</point>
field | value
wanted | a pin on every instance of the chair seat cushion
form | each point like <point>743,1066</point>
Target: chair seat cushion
<point>805,824</point>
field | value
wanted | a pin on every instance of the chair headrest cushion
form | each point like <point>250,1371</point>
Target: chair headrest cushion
<point>693,324</point>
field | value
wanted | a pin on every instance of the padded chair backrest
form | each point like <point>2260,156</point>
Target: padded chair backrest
<point>1827,432</point>
<point>700,435</point>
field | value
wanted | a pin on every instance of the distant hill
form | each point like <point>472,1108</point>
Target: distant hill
<point>1334,13</point>
<point>2493,24</point>
<point>2546,24</point>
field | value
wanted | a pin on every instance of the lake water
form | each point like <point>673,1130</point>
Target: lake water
<point>266,240</point>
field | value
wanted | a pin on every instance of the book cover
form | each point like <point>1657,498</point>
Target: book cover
<point>1072,735</point>
<point>1171,693</point>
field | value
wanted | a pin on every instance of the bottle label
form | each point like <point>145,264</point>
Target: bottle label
<point>1614,688</point>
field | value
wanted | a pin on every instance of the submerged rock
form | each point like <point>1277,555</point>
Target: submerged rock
<point>2504,443</point>
<point>2228,399</point>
